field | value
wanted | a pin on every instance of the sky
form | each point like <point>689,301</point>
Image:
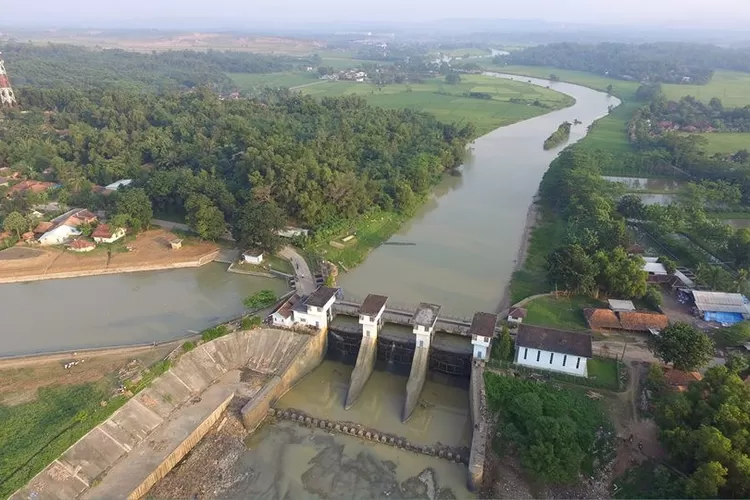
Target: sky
<point>83,12</point>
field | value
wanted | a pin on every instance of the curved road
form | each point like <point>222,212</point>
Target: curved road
<point>302,275</point>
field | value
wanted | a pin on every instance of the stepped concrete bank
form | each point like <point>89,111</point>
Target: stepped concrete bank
<point>140,443</point>
<point>368,353</point>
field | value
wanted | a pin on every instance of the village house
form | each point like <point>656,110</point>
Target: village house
<point>313,311</point>
<point>482,330</point>
<point>118,184</point>
<point>29,186</point>
<point>80,245</point>
<point>554,350</point>
<point>107,234</point>
<point>254,257</point>
<point>516,315</point>
<point>602,320</point>
<point>680,380</point>
<point>721,307</point>
<point>75,217</point>
<point>59,235</point>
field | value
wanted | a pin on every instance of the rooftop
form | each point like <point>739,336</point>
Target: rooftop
<point>426,315</point>
<point>321,296</point>
<point>654,268</point>
<point>558,341</point>
<point>642,321</point>
<point>681,379</point>
<point>621,305</point>
<point>373,304</point>
<point>601,318</point>
<point>483,324</point>
<point>721,302</point>
<point>81,243</point>
<point>517,312</point>
<point>253,252</point>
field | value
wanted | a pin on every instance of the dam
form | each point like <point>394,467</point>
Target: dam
<point>258,376</point>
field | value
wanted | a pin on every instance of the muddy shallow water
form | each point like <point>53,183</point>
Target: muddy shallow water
<point>284,460</point>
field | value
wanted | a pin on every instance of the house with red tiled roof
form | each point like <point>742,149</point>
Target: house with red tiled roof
<point>80,245</point>
<point>107,234</point>
<point>30,186</point>
<point>631,321</point>
<point>680,380</point>
<point>601,319</point>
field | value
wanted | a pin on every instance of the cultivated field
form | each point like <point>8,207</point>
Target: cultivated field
<point>147,42</point>
<point>725,143</point>
<point>448,103</point>
<point>732,87</point>
<point>248,82</point>
<point>620,88</point>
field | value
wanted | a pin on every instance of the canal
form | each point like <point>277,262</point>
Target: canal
<point>468,234</point>
<point>121,309</point>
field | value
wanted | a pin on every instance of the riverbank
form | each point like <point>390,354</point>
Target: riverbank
<point>532,217</point>
<point>148,251</point>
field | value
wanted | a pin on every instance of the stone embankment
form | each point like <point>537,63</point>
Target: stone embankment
<point>451,453</point>
<point>140,443</point>
<point>81,273</point>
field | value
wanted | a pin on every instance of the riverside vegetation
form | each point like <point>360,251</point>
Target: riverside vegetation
<point>558,136</point>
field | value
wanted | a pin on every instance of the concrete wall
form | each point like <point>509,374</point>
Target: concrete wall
<point>368,353</point>
<point>417,377</point>
<point>305,359</point>
<point>477,453</point>
<point>546,360</point>
<point>125,455</point>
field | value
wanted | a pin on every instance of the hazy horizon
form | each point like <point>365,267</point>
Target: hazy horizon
<point>92,12</point>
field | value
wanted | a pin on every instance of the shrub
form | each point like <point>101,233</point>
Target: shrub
<point>188,346</point>
<point>214,333</point>
<point>264,298</point>
<point>250,322</point>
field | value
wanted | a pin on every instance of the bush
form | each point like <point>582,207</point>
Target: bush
<point>559,433</point>
<point>250,322</point>
<point>188,346</point>
<point>214,333</point>
<point>653,297</point>
<point>260,300</point>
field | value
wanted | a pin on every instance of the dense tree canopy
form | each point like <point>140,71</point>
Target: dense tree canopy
<point>69,66</point>
<point>668,62</point>
<point>318,161</point>
<point>706,431</point>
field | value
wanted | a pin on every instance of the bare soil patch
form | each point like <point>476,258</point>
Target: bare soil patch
<point>149,249</point>
<point>21,378</point>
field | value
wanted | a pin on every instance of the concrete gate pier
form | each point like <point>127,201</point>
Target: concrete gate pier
<point>371,319</point>
<point>424,320</point>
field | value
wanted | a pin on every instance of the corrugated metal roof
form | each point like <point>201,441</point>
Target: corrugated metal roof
<point>721,302</point>
<point>621,305</point>
<point>654,268</point>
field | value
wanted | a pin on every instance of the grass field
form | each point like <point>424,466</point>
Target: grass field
<point>610,133</point>
<point>732,87</point>
<point>247,82</point>
<point>604,371</point>
<point>559,312</point>
<point>369,230</point>
<point>726,142</point>
<point>448,104</point>
<point>532,278</point>
<point>620,88</point>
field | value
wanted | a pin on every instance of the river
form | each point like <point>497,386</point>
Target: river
<point>120,309</point>
<point>468,234</point>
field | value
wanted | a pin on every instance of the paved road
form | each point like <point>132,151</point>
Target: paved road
<point>303,277</point>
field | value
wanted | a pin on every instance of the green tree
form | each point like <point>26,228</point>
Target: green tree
<point>653,297</point>
<point>15,222</point>
<point>714,277</point>
<point>683,345</point>
<point>570,268</point>
<point>609,89</point>
<point>257,226</point>
<point>505,346</point>
<point>631,206</point>
<point>668,264</point>
<point>452,78</point>
<point>620,275</point>
<point>264,298</point>
<point>136,205</point>
<point>706,480</point>
<point>204,217</point>
<point>737,362</point>
<point>739,247</point>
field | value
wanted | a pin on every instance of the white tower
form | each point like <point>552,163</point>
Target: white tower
<point>482,330</point>
<point>371,315</point>
<point>424,321</point>
<point>7,98</point>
